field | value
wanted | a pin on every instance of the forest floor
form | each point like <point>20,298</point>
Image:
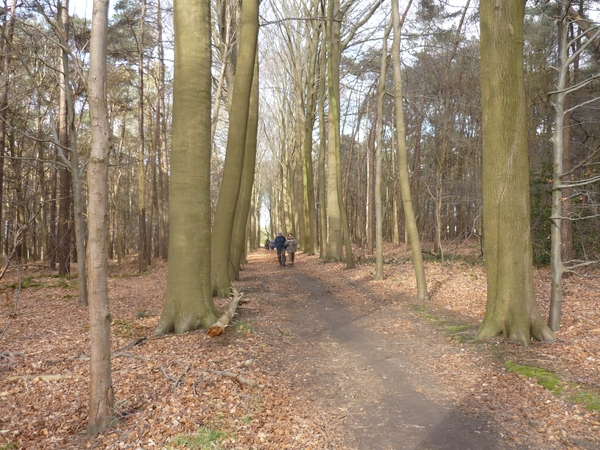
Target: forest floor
<point>319,357</point>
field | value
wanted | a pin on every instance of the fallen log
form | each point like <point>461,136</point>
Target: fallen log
<point>219,326</point>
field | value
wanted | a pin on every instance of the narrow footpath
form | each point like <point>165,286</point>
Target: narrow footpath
<point>385,396</point>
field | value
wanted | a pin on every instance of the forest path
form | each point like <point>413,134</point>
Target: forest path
<point>373,380</point>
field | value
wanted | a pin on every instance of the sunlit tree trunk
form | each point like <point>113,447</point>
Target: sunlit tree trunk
<point>334,219</point>
<point>239,235</point>
<point>101,402</point>
<point>511,307</point>
<point>411,223</point>
<point>189,303</point>
<point>234,159</point>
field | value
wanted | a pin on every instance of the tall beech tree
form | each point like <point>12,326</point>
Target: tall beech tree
<point>101,402</point>
<point>189,303</point>
<point>511,308</point>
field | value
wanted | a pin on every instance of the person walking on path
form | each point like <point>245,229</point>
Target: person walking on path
<point>279,244</point>
<point>290,246</point>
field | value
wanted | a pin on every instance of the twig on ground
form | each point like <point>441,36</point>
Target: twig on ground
<point>240,379</point>
<point>325,436</point>
<point>181,376</point>
<point>81,357</point>
<point>138,341</point>
<point>177,380</point>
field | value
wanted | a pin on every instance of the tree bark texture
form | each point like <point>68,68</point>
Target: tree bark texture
<point>234,159</point>
<point>239,235</point>
<point>101,401</point>
<point>334,219</point>
<point>189,303</point>
<point>511,307</point>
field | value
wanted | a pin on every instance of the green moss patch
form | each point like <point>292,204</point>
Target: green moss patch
<point>548,380</point>
<point>204,439</point>
<point>591,401</point>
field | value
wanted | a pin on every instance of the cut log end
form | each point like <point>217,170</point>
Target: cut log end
<point>219,326</point>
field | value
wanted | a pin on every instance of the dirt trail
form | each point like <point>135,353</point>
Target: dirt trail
<point>367,378</point>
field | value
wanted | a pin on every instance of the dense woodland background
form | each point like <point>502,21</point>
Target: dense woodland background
<point>442,113</point>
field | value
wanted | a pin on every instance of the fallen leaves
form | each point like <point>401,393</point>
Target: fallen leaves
<point>253,382</point>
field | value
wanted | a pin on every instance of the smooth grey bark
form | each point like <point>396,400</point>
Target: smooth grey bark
<point>556,264</point>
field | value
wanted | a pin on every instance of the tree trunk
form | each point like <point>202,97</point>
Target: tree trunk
<point>63,252</point>
<point>378,157</point>
<point>334,219</point>
<point>322,212</point>
<point>162,169</point>
<point>73,164</point>
<point>558,142</point>
<point>4,44</point>
<point>189,303</point>
<point>234,159</point>
<point>411,223</point>
<point>245,197</point>
<point>511,307</point>
<point>142,241</point>
<point>101,401</point>
<point>310,236</point>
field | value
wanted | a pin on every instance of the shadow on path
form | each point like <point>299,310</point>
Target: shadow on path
<point>348,368</point>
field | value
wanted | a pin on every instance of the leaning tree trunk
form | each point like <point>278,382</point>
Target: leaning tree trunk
<point>189,303</point>
<point>511,307</point>
<point>101,401</point>
<point>239,236</point>
<point>236,141</point>
<point>409,214</point>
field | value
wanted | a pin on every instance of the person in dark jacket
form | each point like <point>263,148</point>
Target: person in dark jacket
<point>279,244</point>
